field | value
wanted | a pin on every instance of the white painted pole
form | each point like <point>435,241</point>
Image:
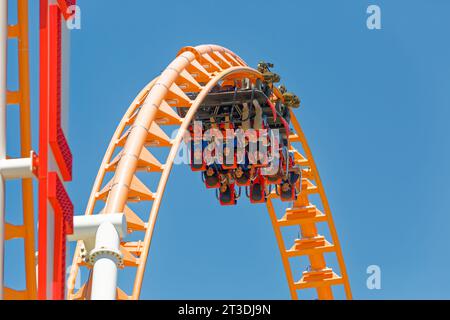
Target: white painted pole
<point>106,258</point>
<point>3,69</point>
<point>16,169</point>
<point>86,227</point>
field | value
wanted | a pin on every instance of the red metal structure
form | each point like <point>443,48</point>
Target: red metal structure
<point>55,165</point>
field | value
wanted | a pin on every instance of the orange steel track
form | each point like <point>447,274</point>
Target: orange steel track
<point>22,98</point>
<point>198,70</point>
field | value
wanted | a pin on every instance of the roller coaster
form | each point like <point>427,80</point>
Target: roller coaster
<point>242,135</point>
<point>212,84</point>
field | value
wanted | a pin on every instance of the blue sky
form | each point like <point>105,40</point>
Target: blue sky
<point>375,112</point>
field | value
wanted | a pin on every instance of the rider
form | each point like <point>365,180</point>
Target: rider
<point>286,189</point>
<point>294,174</point>
<point>257,189</point>
<point>212,176</point>
<point>198,158</point>
<point>227,192</point>
<point>288,184</point>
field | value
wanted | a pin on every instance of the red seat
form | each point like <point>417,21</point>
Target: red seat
<point>232,199</point>
<point>258,190</point>
<point>289,195</point>
<point>211,185</point>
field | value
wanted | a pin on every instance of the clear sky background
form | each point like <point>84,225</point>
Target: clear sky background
<point>376,108</point>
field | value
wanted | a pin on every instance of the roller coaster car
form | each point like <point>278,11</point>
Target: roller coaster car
<point>230,104</point>
<point>258,190</point>
<point>228,198</point>
<point>229,107</point>
<point>233,97</point>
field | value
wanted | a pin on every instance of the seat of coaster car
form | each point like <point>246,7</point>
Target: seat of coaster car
<point>212,182</point>
<point>258,190</point>
<point>228,198</point>
<point>289,195</point>
<point>274,179</point>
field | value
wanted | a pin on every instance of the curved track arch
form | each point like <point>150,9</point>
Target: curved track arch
<point>198,70</point>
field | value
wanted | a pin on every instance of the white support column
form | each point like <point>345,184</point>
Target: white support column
<point>106,258</point>
<point>11,169</point>
<point>85,227</point>
<point>3,70</point>
<point>101,236</point>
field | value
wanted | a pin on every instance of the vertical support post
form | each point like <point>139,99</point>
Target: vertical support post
<point>43,150</point>
<point>3,105</point>
<point>103,233</point>
<point>106,257</point>
<point>25,147</point>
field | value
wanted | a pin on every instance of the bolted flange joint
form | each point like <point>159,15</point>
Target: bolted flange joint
<point>110,253</point>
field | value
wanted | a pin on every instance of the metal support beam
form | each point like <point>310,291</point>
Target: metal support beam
<point>106,258</point>
<point>85,227</point>
<point>11,169</point>
<point>3,105</point>
<point>105,230</point>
